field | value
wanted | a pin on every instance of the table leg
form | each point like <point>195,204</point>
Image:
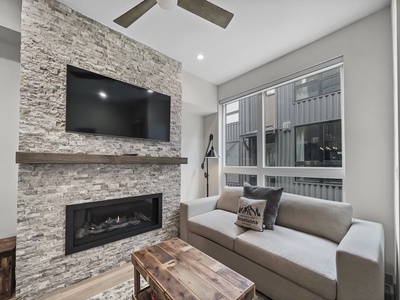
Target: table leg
<point>136,282</point>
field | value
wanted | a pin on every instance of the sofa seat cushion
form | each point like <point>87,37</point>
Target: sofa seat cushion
<point>302,258</point>
<point>217,225</point>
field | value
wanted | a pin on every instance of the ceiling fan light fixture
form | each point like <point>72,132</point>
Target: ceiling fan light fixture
<point>167,4</point>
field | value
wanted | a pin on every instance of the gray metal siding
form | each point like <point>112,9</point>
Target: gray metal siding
<point>322,191</point>
<point>232,132</point>
<point>285,143</point>
<point>247,115</point>
<point>313,110</point>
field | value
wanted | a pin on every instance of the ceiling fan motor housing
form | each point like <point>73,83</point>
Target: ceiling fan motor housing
<point>167,4</point>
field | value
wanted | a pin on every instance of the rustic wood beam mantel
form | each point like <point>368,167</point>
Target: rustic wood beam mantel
<point>69,158</point>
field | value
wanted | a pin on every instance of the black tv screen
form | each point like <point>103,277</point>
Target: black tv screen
<point>97,104</point>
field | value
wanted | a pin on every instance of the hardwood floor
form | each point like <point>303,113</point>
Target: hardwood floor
<point>92,286</point>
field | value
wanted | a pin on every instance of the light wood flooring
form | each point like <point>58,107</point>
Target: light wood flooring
<point>92,286</point>
<point>95,285</point>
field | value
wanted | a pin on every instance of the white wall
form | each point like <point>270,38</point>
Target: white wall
<point>199,100</point>
<point>9,118</point>
<point>10,14</point>
<point>196,130</point>
<point>200,94</point>
<point>192,148</point>
<point>395,27</point>
<point>368,98</point>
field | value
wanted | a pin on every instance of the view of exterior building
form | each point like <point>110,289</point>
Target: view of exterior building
<point>302,126</point>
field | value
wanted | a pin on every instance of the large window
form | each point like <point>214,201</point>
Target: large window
<point>288,135</point>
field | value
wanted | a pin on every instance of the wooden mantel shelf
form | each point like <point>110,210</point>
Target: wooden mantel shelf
<point>69,158</point>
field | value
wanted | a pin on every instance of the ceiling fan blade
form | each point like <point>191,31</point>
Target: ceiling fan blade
<point>208,11</point>
<point>135,13</point>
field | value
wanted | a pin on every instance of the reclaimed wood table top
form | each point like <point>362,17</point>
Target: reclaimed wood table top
<point>7,244</point>
<point>176,270</point>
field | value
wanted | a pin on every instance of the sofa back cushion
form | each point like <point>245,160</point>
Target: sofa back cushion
<point>229,198</point>
<point>323,218</point>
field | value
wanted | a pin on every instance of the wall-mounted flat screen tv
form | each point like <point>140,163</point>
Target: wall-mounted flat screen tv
<point>97,104</point>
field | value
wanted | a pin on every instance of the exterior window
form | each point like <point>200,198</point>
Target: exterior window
<point>317,85</point>
<point>323,181</point>
<point>319,145</point>
<point>270,149</point>
<point>298,129</point>
<point>233,118</point>
<point>232,107</point>
<point>232,113</point>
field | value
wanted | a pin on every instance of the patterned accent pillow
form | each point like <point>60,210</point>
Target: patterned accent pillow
<point>251,213</point>
<point>271,194</point>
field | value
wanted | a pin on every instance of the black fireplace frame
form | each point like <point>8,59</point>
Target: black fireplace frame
<point>69,231</point>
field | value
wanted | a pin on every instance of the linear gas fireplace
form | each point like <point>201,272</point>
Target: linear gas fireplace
<point>96,223</point>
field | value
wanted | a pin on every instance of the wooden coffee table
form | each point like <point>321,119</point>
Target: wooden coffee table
<point>176,270</point>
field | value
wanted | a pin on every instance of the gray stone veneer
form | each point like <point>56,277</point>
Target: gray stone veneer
<point>53,36</point>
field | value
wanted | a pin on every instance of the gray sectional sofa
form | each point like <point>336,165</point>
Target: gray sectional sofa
<point>316,250</point>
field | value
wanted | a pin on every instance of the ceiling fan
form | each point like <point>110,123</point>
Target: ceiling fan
<point>201,8</point>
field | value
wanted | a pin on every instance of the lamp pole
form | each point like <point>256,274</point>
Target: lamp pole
<point>207,175</point>
<point>209,153</point>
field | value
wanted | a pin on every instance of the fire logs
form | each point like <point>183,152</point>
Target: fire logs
<point>111,224</point>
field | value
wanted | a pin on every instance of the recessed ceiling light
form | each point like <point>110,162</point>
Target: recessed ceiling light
<point>200,57</point>
<point>103,95</point>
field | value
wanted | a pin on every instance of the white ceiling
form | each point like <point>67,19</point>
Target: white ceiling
<point>260,31</point>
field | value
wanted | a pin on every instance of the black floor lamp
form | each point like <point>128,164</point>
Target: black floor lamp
<point>210,153</point>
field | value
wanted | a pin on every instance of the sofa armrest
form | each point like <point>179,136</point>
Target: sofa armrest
<point>360,262</point>
<point>191,208</point>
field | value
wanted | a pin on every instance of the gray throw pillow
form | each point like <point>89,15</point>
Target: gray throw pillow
<point>250,213</point>
<point>271,194</point>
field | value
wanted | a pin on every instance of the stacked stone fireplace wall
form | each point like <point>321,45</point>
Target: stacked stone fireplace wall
<point>53,36</point>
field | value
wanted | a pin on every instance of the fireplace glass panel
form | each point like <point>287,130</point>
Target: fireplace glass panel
<point>97,223</point>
